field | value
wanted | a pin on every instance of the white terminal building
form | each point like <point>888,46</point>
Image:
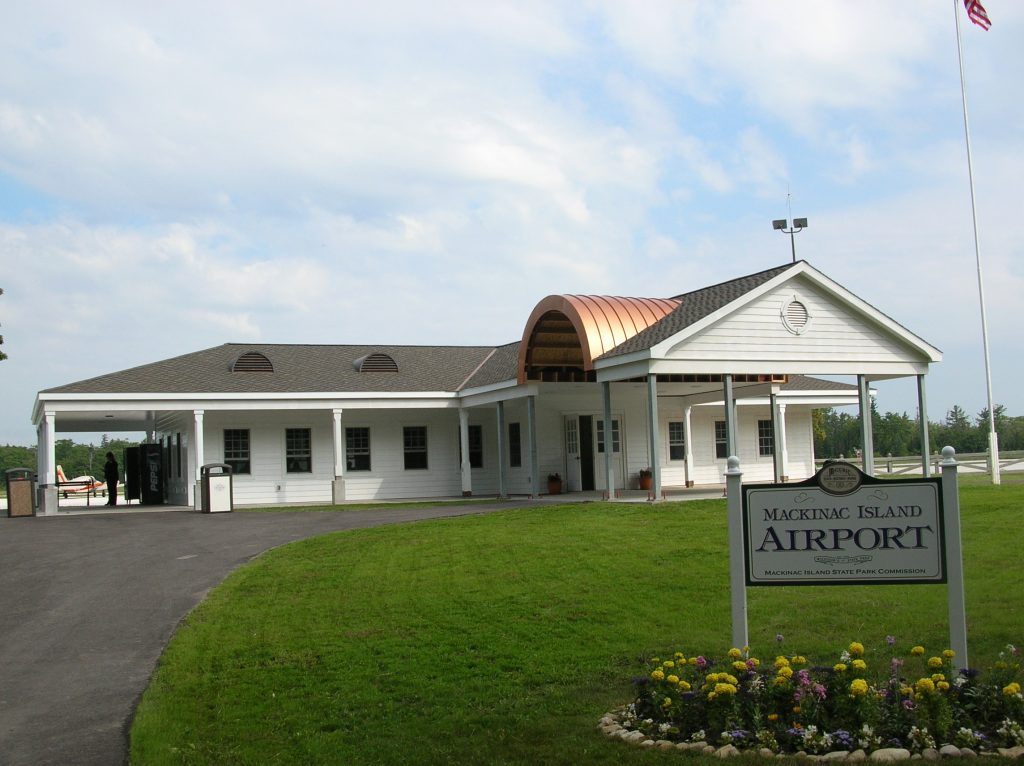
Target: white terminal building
<point>598,389</point>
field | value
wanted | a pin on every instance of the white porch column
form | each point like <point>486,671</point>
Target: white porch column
<point>609,477</point>
<point>531,436</point>
<point>652,416</point>
<point>784,443</point>
<point>466,471</point>
<point>47,489</point>
<point>922,423</point>
<point>781,449</point>
<point>688,447</point>
<point>338,484</point>
<point>502,452</point>
<point>196,459</point>
<point>867,439</point>
<point>730,417</point>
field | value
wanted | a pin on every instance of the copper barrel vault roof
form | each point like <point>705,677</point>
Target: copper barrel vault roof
<point>573,330</point>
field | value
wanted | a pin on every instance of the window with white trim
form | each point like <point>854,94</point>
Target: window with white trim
<point>476,446</point>
<point>765,438</point>
<point>414,445</point>
<point>357,448</point>
<point>236,450</point>
<point>721,440</point>
<point>298,450</point>
<point>676,440</point>
<point>515,446</point>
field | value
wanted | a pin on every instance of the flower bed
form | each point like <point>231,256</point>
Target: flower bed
<point>906,703</point>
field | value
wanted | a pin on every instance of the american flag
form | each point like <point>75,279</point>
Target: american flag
<point>976,13</point>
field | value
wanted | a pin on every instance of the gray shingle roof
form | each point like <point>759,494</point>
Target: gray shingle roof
<point>805,383</point>
<point>693,307</point>
<point>501,366</point>
<point>297,368</point>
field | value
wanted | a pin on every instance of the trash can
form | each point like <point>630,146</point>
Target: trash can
<point>21,492</point>
<point>218,492</point>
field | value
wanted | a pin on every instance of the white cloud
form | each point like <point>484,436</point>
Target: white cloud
<point>176,176</point>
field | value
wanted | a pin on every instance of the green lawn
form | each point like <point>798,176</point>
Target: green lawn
<point>501,639</point>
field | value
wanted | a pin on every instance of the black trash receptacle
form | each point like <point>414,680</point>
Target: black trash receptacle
<point>21,492</point>
<point>218,491</point>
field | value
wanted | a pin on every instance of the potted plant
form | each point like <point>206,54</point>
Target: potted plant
<point>554,484</point>
<point>646,479</point>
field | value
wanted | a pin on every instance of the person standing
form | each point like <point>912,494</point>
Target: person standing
<point>111,474</point>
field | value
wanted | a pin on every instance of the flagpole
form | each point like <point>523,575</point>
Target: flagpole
<point>993,438</point>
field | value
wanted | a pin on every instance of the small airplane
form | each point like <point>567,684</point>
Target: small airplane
<point>79,484</point>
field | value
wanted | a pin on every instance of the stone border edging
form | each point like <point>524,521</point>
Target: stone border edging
<point>611,726</point>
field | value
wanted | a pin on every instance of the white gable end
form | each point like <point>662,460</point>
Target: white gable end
<point>798,326</point>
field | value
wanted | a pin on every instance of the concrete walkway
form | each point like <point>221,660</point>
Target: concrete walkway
<point>88,602</point>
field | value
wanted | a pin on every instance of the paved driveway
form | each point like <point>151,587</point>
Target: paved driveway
<point>87,604</point>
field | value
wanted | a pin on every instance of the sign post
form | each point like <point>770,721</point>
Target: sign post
<point>737,584</point>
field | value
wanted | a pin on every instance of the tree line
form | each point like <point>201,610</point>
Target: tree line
<point>75,459</point>
<point>838,433</point>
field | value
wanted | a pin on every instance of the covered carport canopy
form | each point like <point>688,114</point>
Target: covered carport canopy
<point>752,333</point>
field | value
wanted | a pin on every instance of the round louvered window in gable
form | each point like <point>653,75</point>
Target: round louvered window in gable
<point>252,361</point>
<point>795,316</point>
<point>376,362</point>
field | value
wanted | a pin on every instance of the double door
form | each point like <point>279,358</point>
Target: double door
<point>585,444</point>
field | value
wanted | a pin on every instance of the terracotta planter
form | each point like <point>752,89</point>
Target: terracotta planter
<point>646,482</point>
<point>554,487</point>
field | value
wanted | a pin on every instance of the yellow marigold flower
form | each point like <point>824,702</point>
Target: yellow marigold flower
<point>839,667</point>
<point>936,677</point>
<point>729,678</point>
<point>942,686</point>
<point>859,687</point>
<point>935,662</point>
<point>799,660</point>
<point>773,716</point>
<point>655,660</point>
<point>735,654</point>
<point>917,651</point>
<point>684,686</point>
<point>925,686</point>
<point>739,665</point>
<point>680,656</point>
<point>786,672</point>
<point>906,691</point>
<point>725,689</point>
<point>658,675</point>
<point>754,661</point>
<point>856,649</point>
<point>712,678</point>
<point>712,695</point>
<point>667,702</point>
<point>1012,688</point>
<point>673,679</point>
<point>797,710</point>
<point>859,665</point>
<point>668,664</point>
<point>781,662</point>
<point>948,654</point>
<point>780,681</point>
<point>692,661</point>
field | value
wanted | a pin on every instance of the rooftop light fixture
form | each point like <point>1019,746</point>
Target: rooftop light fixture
<point>799,224</point>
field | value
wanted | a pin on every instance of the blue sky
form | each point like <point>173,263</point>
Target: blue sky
<point>176,176</point>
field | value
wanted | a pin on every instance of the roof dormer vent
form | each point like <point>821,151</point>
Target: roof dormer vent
<point>252,361</point>
<point>376,362</point>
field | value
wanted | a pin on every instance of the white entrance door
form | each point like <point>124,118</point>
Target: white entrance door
<point>618,465</point>
<point>572,453</point>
